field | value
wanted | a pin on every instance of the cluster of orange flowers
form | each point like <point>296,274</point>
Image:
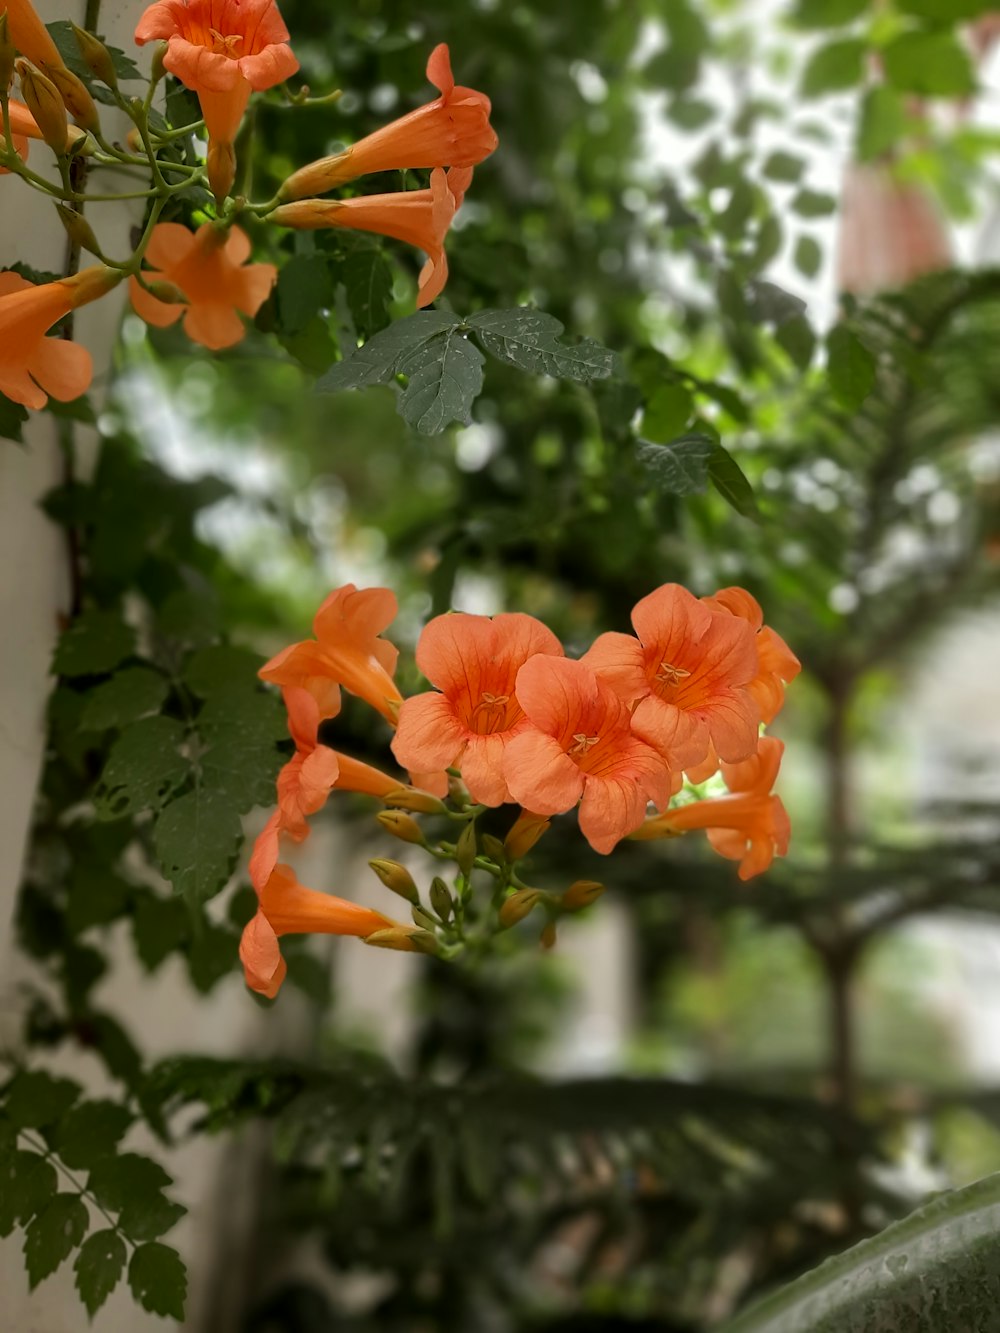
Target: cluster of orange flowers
<point>612,733</point>
<point>224,50</point>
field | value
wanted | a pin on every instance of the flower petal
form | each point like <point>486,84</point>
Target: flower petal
<point>540,775</point>
<point>428,735</point>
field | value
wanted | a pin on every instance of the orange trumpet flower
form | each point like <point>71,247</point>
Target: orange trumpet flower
<point>286,907</point>
<point>687,675</point>
<point>29,34</point>
<point>419,217</point>
<point>347,651</point>
<point>223,50</point>
<point>209,266</point>
<point>452,131</point>
<point>777,665</point>
<point>34,368</point>
<point>750,825</point>
<point>473,661</point>
<point>580,744</point>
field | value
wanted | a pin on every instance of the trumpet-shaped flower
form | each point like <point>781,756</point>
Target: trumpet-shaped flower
<point>347,651</point>
<point>209,266</point>
<point>29,34</point>
<point>452,131</point>
<point>686,675</point>
<point>777,665</point>
<point>34,368</point>
<point>419,217</point>
<point>286,907</point>
<point>473,661</point>
<point>223,50</point>
<point>750,825</point>
<point>580,744</point>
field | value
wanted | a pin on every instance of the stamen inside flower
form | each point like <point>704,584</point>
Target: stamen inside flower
<point>669,674</point>
<point>225,46</point>
<point>583,743</point>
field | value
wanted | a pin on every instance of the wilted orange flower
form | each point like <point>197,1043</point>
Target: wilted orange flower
<point>418,217</point>
<point>223,50</point>
<point>777,665</point>
<point>687,675</point>
<point>452,131</point>
<point>29,34</point>
<point>750,825</point>
<point>580,744</point>
<point>286,907</point>
<point>347,651</point>
<point>473,661</point>
<point>209,266</point>
<point>34,368</point>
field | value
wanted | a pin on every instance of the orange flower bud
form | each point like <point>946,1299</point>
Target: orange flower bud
<point>581,894</point>
<point>525,832</point>
<point>76,98</point>
<point>397,878</point>
<point>547,939</point>
<point>410,798</point>
<point>43,100</point>
<point>401,826</point>
<point>519,905</point>
<point>78,229</point>
<point>465,851</point>
<point>441,899</point>
<point>408,939</point>
<point>8,54</point>
<point>96,56</point>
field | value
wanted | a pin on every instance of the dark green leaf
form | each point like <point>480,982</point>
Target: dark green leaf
<point>197,840</point>
<point>96,896</point>
<point>833,67</point>
<point>214,955</point>
<point>143,769</point>
<point>689,39</point>
<point>813,204</point>
<point>532,340</point>
<point>771,304</point>
<point>882,124</point>
<point>128,695</point>
<point>376,361</point>
<point>691,113</point>
<point>931,63</point>
<point>241,759</point>
<point>784,167</point>
<point>95,642</point>
<point>160,926</point>
<point>945,11</point>
<point>35,1099</point>
<point>367,279</point>
<point>667,413</point>
<point>158,1280</point>
<point>98,1268</point>
<point>62,35</point>
<point>828,13</point>
<point>444,377</point>
<point>934,1270</point>
<point>850,366</point>
<point>797,338</point>
<point>729,480</point>
<point>303,289</point>
<point>313,347</point>
<point>90,1132</point>
<point>808,256</point>
<point>53,1234</point>
<point>767,244</point>
<point>222,669</point>
<point>12,419</point>
<point>681,467</point>
<point>27,1183</point>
